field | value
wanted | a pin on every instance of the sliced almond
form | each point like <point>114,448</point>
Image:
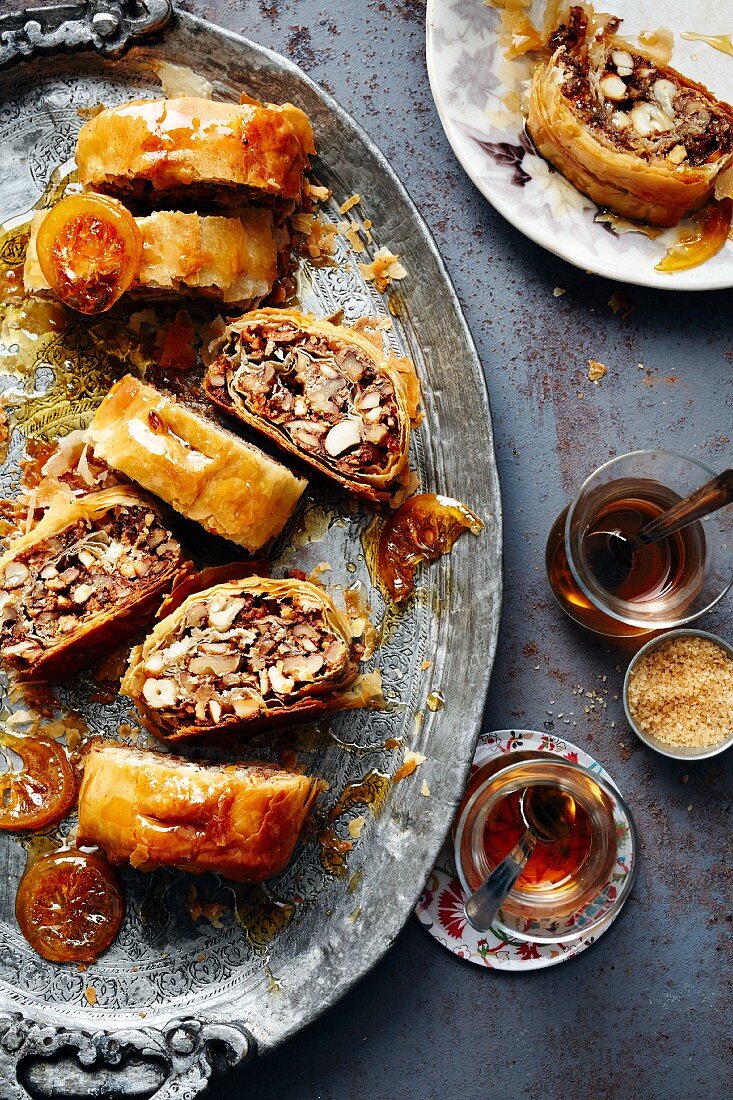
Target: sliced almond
<point>369,400</point>
<point>154,663</point>
<point>49,571</point>
<point>302,668</point>
<point>215,664</point>
<point>677,154</point>
<point>342,436</point>
<point>623,61</point>
<point>648,119</point>
<point>244,706</point>
<point>86,557</point>
<point>214,710</point>
<point>160,693</point>
<point>664,92</point>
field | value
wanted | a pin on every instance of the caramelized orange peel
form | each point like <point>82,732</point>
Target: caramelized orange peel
<point>421,530</point>
<point>69,906</point>
<point>699,243</point>
<point>43,792</point>
<point>89,248</point>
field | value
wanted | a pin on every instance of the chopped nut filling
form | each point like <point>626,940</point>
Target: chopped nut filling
<point>231,654</point>
<point>638,105</point>
<point>59,586</point>
<point>329,399</point>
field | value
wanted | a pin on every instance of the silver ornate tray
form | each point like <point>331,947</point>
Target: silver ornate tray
<point>203,975</point>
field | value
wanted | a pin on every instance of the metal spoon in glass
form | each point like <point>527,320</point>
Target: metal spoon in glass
<point>611,555</point>
<point>548,814</point>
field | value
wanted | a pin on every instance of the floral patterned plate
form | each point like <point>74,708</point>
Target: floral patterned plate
<point>475,90</point>
<point>440,908</point>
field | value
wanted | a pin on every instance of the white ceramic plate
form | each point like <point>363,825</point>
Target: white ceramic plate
<point>470,80</point>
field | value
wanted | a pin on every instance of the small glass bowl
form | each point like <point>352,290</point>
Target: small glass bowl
<point>596,894</point>
<point>682,752</point>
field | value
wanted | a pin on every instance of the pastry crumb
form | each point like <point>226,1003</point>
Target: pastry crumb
<point>411,762</point>
<point>320,236</point>
<point>384,269</point>
<point>558,292</point>
<point>316,191</point>
<point>356,825</point>
<point>425,790</point>
<point>350,230</point>
<point>596,370</point>
<point>353,201</point>
<point>90,994</point>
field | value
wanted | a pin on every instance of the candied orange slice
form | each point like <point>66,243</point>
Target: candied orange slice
<point>421,529</point>
<point>89,248</point>
<point>69,906</point>
<point>43,792</point>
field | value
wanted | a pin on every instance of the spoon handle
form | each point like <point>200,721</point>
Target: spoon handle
<point>708,498</point>
<point>483,905</point>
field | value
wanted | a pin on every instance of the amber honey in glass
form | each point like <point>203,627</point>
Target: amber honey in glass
<point>670,582</point>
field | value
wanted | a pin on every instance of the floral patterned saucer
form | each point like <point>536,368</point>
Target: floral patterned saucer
<point>440,908</point>
<point>477,90</point>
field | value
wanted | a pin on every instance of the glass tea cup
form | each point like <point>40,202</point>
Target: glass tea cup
<point>579,895</point>
<point>673,581</point>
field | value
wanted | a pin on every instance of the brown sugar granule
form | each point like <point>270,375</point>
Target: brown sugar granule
<point>682,693</point>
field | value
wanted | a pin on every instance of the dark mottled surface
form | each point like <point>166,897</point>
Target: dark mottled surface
<point>646,1012</point>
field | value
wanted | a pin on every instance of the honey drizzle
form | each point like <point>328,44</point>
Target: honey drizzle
<point>721,42</point>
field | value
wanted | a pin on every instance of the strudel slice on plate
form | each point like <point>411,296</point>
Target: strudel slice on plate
<point>637,137</point>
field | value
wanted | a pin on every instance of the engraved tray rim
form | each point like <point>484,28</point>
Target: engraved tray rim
<point>405,231</point>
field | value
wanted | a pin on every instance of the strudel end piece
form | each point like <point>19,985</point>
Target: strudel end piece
<point>205,472</point>
<point>155,810</point>
<point>193,153</point>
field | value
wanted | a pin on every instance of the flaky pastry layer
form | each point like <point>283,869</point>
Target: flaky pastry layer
<point>153,810</point>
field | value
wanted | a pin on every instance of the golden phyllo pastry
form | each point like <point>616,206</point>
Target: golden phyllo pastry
<point>228,486</point>
<point>232,260</point>
<point>191,152</point>
<point>88,576</point>
<point>637,137</point>
<point>323,392</point>
<point>247,654</point>
<point>154,810</point>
